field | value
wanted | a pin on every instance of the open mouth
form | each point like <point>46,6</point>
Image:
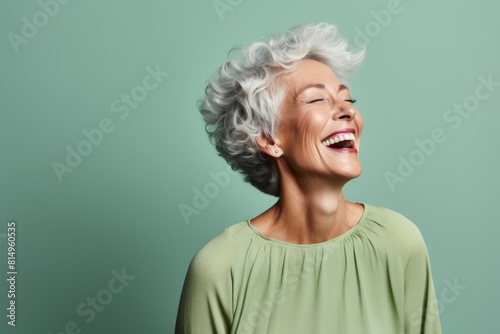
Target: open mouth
<point>341,141</point>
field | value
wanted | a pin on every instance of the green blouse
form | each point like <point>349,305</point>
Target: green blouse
<point>373,279</point>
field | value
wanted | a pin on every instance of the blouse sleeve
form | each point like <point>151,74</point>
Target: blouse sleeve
<point>421,311</point>
<point>205,304</point>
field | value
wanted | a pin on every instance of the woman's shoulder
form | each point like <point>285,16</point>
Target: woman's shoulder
<point>216,256</point>
<point>229,238</point>
<point>389,218</point>
<point>395,226</point>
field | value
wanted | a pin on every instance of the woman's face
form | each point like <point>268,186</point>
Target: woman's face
<point>317,112</point>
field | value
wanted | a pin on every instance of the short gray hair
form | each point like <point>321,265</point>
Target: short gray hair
<point>242,100</point>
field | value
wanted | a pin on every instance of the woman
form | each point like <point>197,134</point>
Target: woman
<point>313,262</point>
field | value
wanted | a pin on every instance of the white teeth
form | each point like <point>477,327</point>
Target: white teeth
<point>338,138</point>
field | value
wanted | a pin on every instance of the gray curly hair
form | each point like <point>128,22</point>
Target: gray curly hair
<point>242,100</point>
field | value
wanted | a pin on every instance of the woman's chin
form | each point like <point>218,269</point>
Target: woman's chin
<point>351,173</point>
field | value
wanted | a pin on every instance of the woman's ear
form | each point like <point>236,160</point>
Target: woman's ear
<point>269,146</point>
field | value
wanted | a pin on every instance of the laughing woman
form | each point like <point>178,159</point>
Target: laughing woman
<point>282,114</point>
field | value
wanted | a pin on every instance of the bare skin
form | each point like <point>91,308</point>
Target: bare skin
<point>311,208</point>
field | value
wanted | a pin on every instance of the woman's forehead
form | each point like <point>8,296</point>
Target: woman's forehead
<point>312,74</point>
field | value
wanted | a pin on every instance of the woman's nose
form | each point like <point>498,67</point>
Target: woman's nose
<point>345,111</point>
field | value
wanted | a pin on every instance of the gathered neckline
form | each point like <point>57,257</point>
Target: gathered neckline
<point>318,244</point>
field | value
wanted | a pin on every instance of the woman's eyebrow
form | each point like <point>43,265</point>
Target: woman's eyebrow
<point>321,86</point>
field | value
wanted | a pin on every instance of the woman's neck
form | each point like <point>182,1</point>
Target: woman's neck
<point>309,214</point>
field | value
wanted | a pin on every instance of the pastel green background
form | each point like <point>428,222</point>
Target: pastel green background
<point>120,207</point>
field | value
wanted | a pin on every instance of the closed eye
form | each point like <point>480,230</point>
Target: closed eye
<point>316,100</point>
<point>319,100</point>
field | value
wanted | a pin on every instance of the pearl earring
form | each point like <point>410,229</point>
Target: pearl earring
<point>276,151</point>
